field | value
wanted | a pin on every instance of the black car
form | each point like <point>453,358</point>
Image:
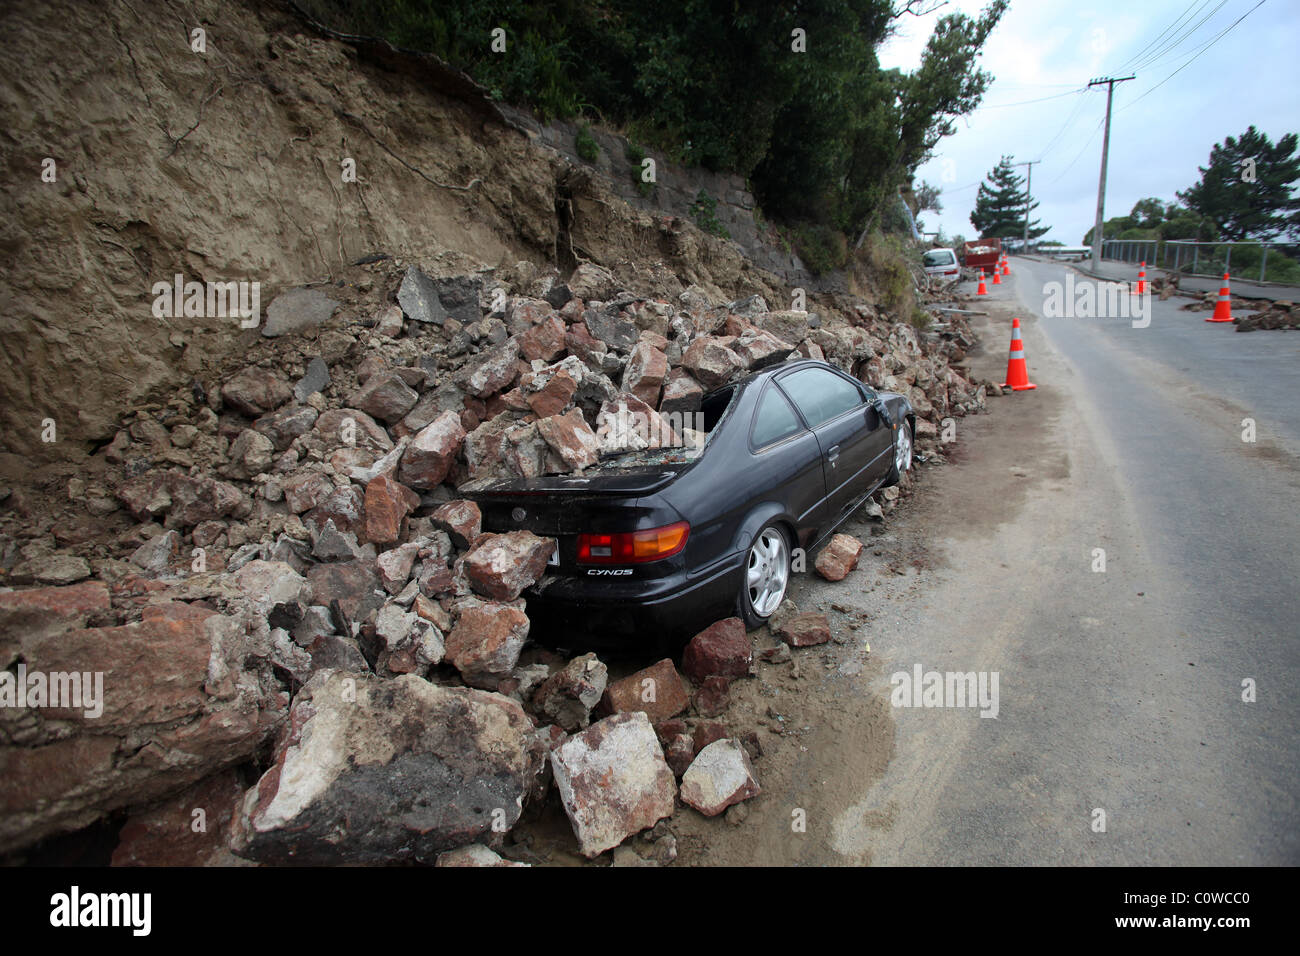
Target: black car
<point>654,545</point>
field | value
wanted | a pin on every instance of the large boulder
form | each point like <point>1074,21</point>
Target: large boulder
<point>139,711</point>
<point>432,452</point>
<point>501,565</point>
<point>657,690</point>
<point>375,771</point>
<point>613,781</point>
<point>723,649</point>
<point>485,643</point>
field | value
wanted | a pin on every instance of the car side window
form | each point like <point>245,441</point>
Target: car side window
<point>774,420</point>
<point>821,395</point>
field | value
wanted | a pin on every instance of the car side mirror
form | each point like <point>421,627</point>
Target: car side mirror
<point>879,405</point>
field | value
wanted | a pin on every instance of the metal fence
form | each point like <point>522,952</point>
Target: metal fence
<point>1198,258</point>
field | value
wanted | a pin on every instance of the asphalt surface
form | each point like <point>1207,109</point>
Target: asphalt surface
<point>1120,690</point>
<point>1241,285</point>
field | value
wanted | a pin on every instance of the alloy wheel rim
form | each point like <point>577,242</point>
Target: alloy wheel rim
<point>903,457</point>
<point>768,572</point>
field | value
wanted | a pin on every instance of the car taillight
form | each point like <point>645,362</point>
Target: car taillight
<point>633,547</point>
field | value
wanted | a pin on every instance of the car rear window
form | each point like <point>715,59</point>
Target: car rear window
<point>774,420</point>
<point>820,395</point>
<point>940,257</point>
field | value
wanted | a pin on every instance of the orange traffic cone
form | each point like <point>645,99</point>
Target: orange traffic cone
<point>1223,308</point>
<point>982,290</point>
<point>996,274</point>
<point>1006,266</point>
<point>1142,280</point>
<point>1017,371</point>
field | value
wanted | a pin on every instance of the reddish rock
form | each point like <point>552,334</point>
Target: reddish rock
<point>189,829</point>
<point>805,630</point>
<point>682,394</point>
<point>712,697</point>
<point>344,506</point>
<point>553,397</point>
<point>485,643</point>
<point>720,776</point>
<point>496,370</point>
<point>722,650</point>
<point>583,344</point>
<point>706,732</point>
<point>178,703</point>
<point>256,391</point>
<point>305,490</point>
<point>388,502</point>
<point>839,557</point>
<point>38,612</point>
<point>759,349</point>
<point>679,751</point>
<point>501,565</point>
<point>385,396</point>
<point>461,519</point>
<point>711,362</point>
<point>432,452</point>
<point>197,499</point>
<point>613,781</point>
<point>353,584</point>
<point>567,696</point>
<point>544,341</point>
<point>645,373</point>
<point>336,426</point>
<point>570,437</point>
<point>625,423</point>
<point>285,424</point>
<point>666,730</point>
<point>658,690</point>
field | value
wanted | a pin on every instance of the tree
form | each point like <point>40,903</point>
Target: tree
<point>1247,189</point>
<point>1000,205</point>
<point>927,197</point>
<point>1153,218</point>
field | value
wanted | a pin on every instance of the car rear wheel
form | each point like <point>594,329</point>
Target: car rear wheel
<point>767,575</point>
<point>902,454</point>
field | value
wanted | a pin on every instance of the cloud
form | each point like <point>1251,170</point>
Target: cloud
<point>1044,49</point>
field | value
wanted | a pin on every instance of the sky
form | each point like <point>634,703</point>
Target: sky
<point>1160,131</point>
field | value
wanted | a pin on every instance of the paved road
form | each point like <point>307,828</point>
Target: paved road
<point>1242,286</point>
<point>1119,690</point>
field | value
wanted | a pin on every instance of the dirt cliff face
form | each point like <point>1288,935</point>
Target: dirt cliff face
<point>223,165</point>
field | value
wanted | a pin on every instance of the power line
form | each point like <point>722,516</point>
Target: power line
<point>1169,48</point>
<point>1093,135</point>
<point>1068,121</point>
<point>1055,96</point>
<point>1196,53</point>
<point>1172,26</point>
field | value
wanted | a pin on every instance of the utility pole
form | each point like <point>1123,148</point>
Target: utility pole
<point>1105,150</point>
<point>1029,184</point>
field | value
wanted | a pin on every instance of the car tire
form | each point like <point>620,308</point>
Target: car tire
<point>766,576</point>
<point>902,462</point>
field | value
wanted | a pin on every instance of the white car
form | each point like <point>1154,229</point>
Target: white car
<point>942,263</point>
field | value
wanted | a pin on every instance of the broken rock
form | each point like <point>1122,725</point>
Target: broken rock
<point>720,776</point>
<point>839,557</point>
<point>376,771</point>
<point>613,781</point>
<point>501,565</point>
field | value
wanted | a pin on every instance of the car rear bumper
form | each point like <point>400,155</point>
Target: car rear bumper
<point>573,611</point>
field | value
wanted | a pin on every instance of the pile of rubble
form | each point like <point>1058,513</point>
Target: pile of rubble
<point>1276,315</point>
<point>282,562</point>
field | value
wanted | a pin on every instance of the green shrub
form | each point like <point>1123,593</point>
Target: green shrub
<point>822,248</point>
<point>587,146</point>
<point>704,212</point>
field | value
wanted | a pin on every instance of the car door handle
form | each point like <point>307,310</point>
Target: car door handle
<point>833,454</point>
